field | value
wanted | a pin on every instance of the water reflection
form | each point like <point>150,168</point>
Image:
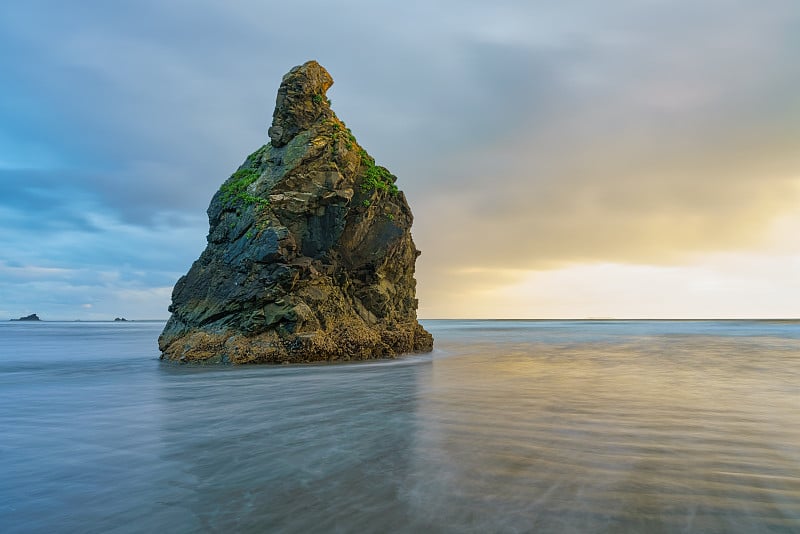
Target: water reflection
<point>507,427</point>
<point>649,434</point>
<point>303,449</point>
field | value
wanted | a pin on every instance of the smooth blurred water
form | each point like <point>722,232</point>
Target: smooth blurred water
<point>509,426</point>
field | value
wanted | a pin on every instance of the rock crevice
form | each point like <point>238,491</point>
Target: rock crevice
<point>309,255</point>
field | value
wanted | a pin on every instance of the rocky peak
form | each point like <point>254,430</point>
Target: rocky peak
<point>301,102</point>
<point>309,256</point>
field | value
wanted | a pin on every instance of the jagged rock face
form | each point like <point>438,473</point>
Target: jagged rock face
<point>309,255</point>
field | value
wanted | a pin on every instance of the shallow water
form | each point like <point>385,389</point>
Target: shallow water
<point>509,426</point>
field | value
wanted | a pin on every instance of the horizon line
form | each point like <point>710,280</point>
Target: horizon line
<point>459,319</point>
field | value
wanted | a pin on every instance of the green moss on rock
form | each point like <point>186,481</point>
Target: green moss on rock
<point>321,270</point>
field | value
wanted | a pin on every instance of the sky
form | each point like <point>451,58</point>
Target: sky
<point>573,159</point>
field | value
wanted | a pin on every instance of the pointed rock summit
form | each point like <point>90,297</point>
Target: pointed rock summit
<point>309,255</point>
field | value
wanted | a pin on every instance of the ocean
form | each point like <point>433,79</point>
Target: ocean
<point>508,426</point>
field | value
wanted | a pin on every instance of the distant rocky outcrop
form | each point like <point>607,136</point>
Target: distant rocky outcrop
<point>120,320</point>
<point>31,317</point>
<point>309,254</point>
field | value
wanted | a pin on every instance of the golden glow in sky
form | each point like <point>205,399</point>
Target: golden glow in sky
<point>759,282</point>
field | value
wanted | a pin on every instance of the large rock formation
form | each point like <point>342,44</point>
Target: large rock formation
<point>309,255</point>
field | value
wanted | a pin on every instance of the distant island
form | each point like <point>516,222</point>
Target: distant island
<point>31,317</point>
<point>120,319</point>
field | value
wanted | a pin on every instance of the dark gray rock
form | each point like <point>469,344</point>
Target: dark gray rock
<point>31,317</point>
<point>309,253</point>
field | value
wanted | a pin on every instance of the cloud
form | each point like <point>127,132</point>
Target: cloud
<point>660,141</point>
<point>724,285</point>
<point>527,135</point>
<point>86,293</point>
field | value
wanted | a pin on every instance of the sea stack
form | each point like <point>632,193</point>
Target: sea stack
<point>309,256</point>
